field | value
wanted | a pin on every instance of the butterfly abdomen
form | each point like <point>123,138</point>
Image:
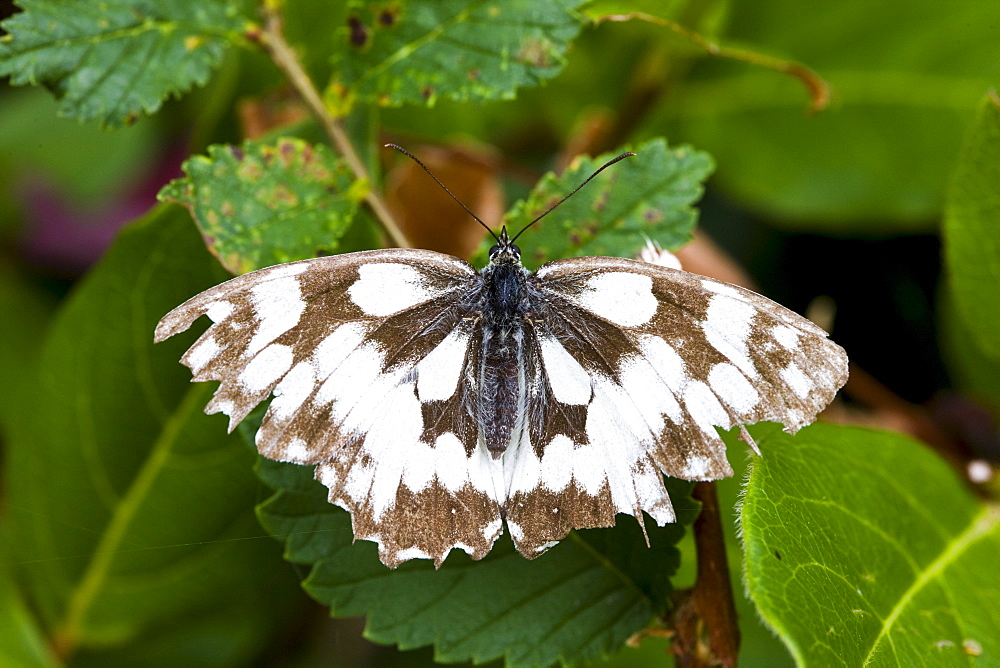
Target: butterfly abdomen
<point>501,381</point>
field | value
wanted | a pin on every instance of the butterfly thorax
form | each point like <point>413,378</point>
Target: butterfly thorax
<point>502,383</point>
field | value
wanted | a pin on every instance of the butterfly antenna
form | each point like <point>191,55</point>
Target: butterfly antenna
<point>453,196</point>
<point>551,208</point>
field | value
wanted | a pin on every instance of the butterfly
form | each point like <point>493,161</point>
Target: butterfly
<point>439,402</point>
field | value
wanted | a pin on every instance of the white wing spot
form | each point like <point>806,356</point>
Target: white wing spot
<point>786,336</point>
<point>796,380</point>
<point>557,464</point>
<point>624,298</point>
<point>410,553</point>
<point>279,306</point>
<point>296,451</point>
<point>293,390</point>
<point>384,288</point>
<point>667,362</point>
<point>284,270</point>
<point>219,311</point>
<point>727,328</point>
<point>451,465</point>
<point>570,381</point>
<point>335,348</point>
<point>696,467</point>
<point>730,385</point>
<point>444,460</point>
<point>651,393</point>
<point>202,354</point>
<point>704,408</point>
<point>391,444</point>
<point>721,289</point>
<point>438,373</point>
<point>266,368</point>
<point>521,467</point>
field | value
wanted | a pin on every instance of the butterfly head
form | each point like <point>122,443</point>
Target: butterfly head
<point>505,250</point>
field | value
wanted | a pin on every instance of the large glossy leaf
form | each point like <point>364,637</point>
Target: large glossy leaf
<point>864,548</point>
<point>21,640</point>
<point>972,230</point>
<point>267,203</point>
<point>972,369</point>
<point>118,59</point>
<point>648,196</point>
<point>581,599</point>
<point>393,53</point>
<point>28,309</point>
<point>127,507</point>
<point>906,76</point>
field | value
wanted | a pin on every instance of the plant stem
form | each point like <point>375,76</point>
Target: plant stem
<point>817,87</point>
<point>704,621</point>
<point>713,590</point>
<point>284,57</point>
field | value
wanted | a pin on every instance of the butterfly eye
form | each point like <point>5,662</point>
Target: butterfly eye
<point>494,249</point>
<point>516,249</point>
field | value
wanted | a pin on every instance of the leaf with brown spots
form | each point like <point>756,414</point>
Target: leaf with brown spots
<point>393,54</point>
<point>648,196</point>
<point>263,204</point>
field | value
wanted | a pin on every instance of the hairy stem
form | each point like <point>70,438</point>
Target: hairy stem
<point>273,40</point>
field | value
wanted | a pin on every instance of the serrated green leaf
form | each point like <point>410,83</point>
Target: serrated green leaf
<point>118,59</point>
<point>581,599</point>
<point>264,204</point>
<point>649,196</point>
<point>126,505</point>
<point>865,548</point>
<point>879,157</point>
<point>972,229</point>
<point>395,53</point>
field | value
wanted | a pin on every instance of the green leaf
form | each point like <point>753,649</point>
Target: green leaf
<point>29,310</point>
<point>646,196</point>
<point>21,640</point>
<point>879,157</point>
<point>972,229</point>
<point>971,369</point>
<point>864,548</point>
<point>128,509</point>
<point>394,53</point>
<point>118,59</point>
<point>581,599</point>
<point>264,204</point>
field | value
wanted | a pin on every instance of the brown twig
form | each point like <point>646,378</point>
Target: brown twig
<point>816,86</point>
<point>273,40</point>
<point>705,624</point>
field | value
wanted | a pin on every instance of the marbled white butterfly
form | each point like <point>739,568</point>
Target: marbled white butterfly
<point>438,402</point>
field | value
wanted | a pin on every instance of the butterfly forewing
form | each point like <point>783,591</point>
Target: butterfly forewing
<point>689,352</point>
